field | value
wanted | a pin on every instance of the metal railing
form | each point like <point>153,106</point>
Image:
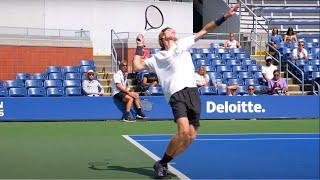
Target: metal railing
<point>116,40</point>
<point>43,33</point>
<point>278,53</point>
<point>314,85</point>
<point>294,75</point>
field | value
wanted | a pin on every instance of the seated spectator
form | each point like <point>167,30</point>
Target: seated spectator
<point>231,42</point>
<point>290,36</point>
<point>149,79</point>
<point>122,93</point>
<point>274,40</point>
<point>277,85</point>
<point>232,90</point>
<point>300,52</point>
<point>267,70</point>
<point>92,87</point>
<point>250,91</point>
<point>202,78</point>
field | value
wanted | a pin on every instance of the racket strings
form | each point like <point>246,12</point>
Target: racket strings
<point>154,17</point>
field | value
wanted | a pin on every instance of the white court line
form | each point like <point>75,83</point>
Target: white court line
<point>230,134</point>
<point>251,139</point>
<point>155,157</point>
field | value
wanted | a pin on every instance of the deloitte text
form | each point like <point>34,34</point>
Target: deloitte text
<point>239,107</point>
<point>1,109</point>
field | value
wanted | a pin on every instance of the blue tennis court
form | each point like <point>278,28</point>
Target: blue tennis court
<point>240,156</point>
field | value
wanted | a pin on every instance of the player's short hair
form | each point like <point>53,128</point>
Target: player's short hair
<point>161,34</point>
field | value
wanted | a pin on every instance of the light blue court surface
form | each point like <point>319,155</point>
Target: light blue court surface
<point>241,156</point>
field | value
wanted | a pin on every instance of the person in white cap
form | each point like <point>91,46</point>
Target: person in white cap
<point>92,87</point>
<point>267,70</point>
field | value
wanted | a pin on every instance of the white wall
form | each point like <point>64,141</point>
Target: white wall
<point>97,16</point>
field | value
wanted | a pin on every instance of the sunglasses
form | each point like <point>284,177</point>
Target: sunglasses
<point>301,45</point>
<point>91,74</point>
<point>276,75</point>
<point>251,89</point>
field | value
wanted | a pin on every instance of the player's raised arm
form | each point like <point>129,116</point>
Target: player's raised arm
<point>138,59</point>
<point>213,24</point>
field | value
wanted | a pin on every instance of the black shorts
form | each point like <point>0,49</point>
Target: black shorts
<point>186,103</point>
<point>120,95</point>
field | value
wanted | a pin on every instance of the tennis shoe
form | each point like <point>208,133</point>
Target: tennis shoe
<point>160,171</point>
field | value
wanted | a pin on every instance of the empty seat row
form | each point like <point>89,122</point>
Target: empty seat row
<point>41,92</point>
<point>52,76</point>
<point>222,90</point>
<point>38,83</point>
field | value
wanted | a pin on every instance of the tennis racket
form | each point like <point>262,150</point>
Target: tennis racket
<point>153,19</point>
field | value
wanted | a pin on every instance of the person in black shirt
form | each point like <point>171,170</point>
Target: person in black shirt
<point>150,79</point>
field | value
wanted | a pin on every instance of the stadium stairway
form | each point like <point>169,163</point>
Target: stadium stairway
<point>104,71</point>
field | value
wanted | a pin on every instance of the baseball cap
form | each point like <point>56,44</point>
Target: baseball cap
<point>90,71</point>
<point>268,58</point>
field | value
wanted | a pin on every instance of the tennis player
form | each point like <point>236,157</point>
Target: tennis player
<point>175,70</point>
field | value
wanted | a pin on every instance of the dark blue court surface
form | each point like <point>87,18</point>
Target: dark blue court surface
<point>242,156</point>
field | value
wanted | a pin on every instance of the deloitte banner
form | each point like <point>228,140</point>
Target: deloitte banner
<point>155,107</point>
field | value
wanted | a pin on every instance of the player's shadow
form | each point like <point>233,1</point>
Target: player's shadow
<point>99,166</point>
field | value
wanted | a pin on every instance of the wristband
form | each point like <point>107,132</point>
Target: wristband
<point>219,21</point>
<point>139,51</point>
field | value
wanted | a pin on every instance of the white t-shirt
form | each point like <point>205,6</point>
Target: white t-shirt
<point>174,67</point>
<point>201,79</point>
<point>232,44</point>
<point>92,87</point>
<point>118,78</point>
<point>300,55</point>
<point>268,71</point>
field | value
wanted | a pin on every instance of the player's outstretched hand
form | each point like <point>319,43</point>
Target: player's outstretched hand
<point>232,10</point>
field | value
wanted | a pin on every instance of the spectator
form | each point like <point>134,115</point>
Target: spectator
<point>290,36</point>
<point>274,40</point>
<point>202,78</point>
<point>250,91</point>
<point>122,93</point>
<point>277,85</point>
<point>267,70</point>
<point>231,42</point>
<point>92,87</point>
<point>300,52</point>
<point>149,79</point>
<point>232,90</point>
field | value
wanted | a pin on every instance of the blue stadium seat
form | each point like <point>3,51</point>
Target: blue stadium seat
<point>73,91</point>
<point>233,62</point>
<point>254,68</point>
<point>301,63</point>
<point>36,92</point>
<point>212,56</point>
<point>245,75</point>
<point>55,76</point>
<point>52,83</point>
<point>223,69</point>
<point>71,69</point>
<point>17,92</point>
<point>260,88</point>
<point>71,83</point>
<point>241,56</point>
<point>248,62</point>
<point>208,90</point>
<point>198,56</point>
<point>315,75</point>
<point>53,69</point>
<point>203,62</point>
<point>155,91</point>
<point>214,75</point>
<point>84,69</point>
<point>222,51</point>
<point>241,90</point>
<point>204,51</point>
<point>55,92</point>
<point>216,62</point>
<point>308,46</point>
<point>33,83</point>
<point>3,92</point>
<point>192,51</point>
<point>14,84</point>
<point>238,68</point>
<point>222,90</point>
<point>228,75</point>
<point>39,76</point>
<point>234,81</point>
<point>22,76</point>
<point>258,76</point>
<point>87,62</point>
<point>315,52</point>
<point>226,57</point>
<point>315,62</point>
<point>251,82</point>
<point>72,76</point>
